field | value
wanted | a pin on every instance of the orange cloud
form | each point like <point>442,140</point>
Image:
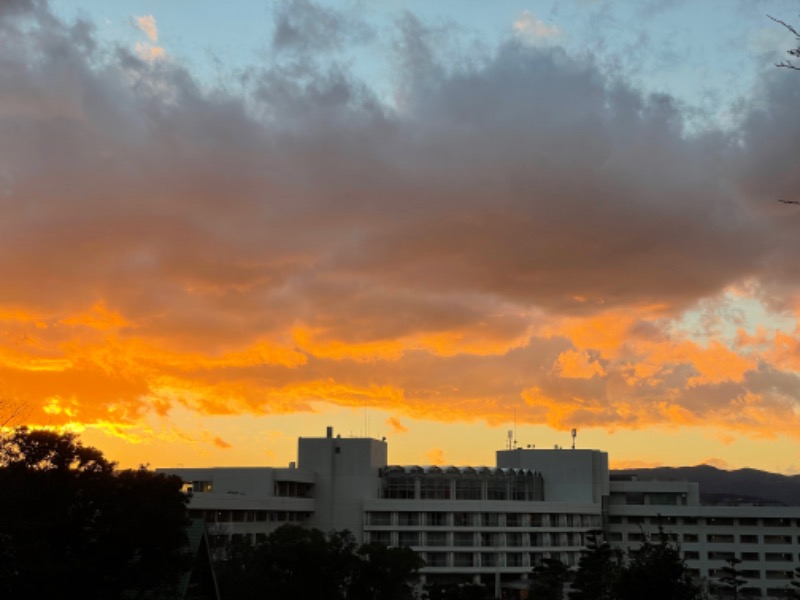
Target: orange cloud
<point>147,25</point>
<point>396,425</point>
<point>220,443</point>
<point>435,456</point>
<point>577,365</point>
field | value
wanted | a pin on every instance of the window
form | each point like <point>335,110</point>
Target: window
<point>436,538</point>
<point>720,538</point>
<point>754,556</point>
<point>748,539</point>
<point>691,555</point>
<point>490,520</point>
<point>497,489</point>
<point>489,539</point>
<point>202,486</point>
<point>514,559</point>
<point>636,520</point>
<point>635,498</point>
<point>689,537</point>
<point>721,555</point>
<point>381,537</point>
<point>778,556</point>
<point>663,499</point>
<point>514,539</point>
<point>748,522</point>
<point>513,520</point>
<point>400,487</point>
<point>777,539</point>
<point>689,521</point>
<point>408,538</point>
<point>435,488</point>
<point>381,519</point>
<point>719,522</point>
<point>436,559</point>
<point>462,538</point>
<point>469,489</point>
<point>777,522</point>
<point>408,519</point>
<point>462,519</point>
<point>436,519</point>
<point>462,559</point>
<point>488,559</point>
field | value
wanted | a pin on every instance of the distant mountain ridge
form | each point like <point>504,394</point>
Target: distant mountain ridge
<point>717,486</point>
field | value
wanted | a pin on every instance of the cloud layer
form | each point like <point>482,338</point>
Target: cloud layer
<point>518,231</point>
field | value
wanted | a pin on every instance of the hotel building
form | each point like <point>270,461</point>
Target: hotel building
<point>491,525</point>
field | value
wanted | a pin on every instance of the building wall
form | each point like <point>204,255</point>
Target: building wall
<point>347,473</point>
<point>339,484</point>
<point>765,538</point>
<point>569,475</point>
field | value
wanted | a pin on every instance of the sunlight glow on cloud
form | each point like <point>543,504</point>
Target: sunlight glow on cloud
<point>530,235</point>
<point>533,30</point>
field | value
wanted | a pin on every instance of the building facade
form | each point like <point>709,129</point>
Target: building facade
<point>491,525</point>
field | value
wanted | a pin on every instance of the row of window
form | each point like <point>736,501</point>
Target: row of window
<point>491,559</point>
<point>711,538</point>
<point>707,521</point>
<point>524,487</point>
<point>472,539</point>
<point>744,556</point>
<point>469,519</point>
<point>247,516</point>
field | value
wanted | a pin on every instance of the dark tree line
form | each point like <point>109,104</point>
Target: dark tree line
<point>71,526</point>
<point>654,571</point>
<point>296,562</point>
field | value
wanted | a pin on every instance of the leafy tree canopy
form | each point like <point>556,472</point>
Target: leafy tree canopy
<point>73,527</point>
<point>296,562</point>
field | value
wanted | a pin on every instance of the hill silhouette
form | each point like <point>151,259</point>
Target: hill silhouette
<point>718,486</point>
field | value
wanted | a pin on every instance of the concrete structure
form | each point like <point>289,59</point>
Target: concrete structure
<point>491,525</point>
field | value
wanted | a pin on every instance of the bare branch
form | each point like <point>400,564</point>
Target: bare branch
<point>795,52</point>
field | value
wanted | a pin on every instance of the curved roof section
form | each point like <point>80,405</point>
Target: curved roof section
<point>460,471</point>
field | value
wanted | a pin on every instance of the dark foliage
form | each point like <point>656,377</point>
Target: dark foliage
<point>731,582</point>
<point>548,580</point>
<point>72,527</point>
<point>295,562</point>
<point>457,591</point>
<point>656,571</point>
<point>598,571</point>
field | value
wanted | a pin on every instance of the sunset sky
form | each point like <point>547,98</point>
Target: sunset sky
<point>225,225</point>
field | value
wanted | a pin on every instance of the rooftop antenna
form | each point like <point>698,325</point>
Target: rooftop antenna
<point>510,438</point>
<point>515,428</point>
<point>574,435</point>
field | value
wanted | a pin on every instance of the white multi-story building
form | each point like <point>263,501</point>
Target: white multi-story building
<point>491,525</point>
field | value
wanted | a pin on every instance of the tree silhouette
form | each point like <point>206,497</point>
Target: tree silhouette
<point>72,527</point>
<point>598,570</point>
<point>295,562</point>
<point>794,591</point>
<point>656,571</point>
<point>731,581</point>
<point>793,52</point>
<point>548,580</point>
